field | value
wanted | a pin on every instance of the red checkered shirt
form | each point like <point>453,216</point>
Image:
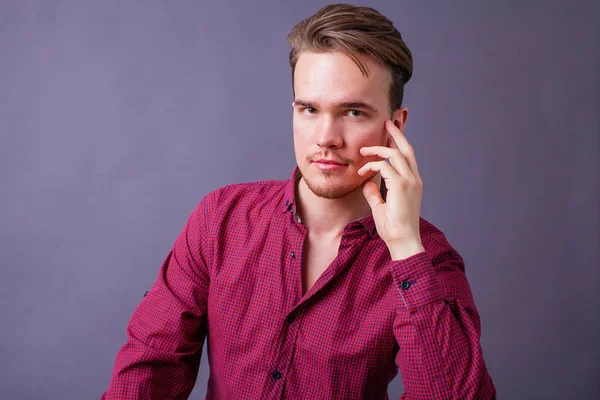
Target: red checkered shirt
<point>234,277</point>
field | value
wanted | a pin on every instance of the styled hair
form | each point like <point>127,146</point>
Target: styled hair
<point>355,32</point>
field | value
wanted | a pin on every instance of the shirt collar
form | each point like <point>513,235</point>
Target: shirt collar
<point>290,190</point>
<point>289,203</point>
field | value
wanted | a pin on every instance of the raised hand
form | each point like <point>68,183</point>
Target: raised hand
<point>396,218</point>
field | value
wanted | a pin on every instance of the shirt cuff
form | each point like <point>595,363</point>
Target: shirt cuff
<point>417,280</point>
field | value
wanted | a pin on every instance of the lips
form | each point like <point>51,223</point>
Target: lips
<point>329,165</point>
<point>332,162</point>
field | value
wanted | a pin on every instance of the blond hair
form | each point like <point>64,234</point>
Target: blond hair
<point>355,32</point>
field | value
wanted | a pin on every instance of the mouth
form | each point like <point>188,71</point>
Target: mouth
<point>324,161</point>
<point>329,165</point>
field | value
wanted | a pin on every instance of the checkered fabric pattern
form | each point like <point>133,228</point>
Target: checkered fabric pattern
<point>233,277</point>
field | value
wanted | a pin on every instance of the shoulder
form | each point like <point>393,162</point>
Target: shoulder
<point>243,197</point>
<point>250,192</point>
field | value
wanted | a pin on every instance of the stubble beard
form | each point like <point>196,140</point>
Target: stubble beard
<point>330,190</point>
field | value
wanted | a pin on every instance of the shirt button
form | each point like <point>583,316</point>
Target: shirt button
<point>405,285</point>
<point>293,255</point>
<point>276,375</point>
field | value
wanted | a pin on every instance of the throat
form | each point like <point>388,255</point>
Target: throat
<point>317,256</point>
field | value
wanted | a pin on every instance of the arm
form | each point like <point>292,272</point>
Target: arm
<point>167,330</point>
<point>437,328</point>
<point>437,324</point>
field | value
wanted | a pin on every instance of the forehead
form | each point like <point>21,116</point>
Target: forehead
<point>335,77</point>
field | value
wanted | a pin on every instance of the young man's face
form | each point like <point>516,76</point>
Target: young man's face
<point>328,127</point>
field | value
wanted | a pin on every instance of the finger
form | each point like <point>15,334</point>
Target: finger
<point>396,158</point>
<point>392,142</point>
<point>372,194</point>
<point>404,146</point>
<point>386,171</point>
<point>381,151</point>
<point>400,141</point>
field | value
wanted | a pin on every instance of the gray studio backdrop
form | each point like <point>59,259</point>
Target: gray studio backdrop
<point>117,117</point>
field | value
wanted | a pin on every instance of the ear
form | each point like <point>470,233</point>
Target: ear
<point>400,117</point>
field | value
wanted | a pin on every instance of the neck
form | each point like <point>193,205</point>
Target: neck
<point>327,218</point>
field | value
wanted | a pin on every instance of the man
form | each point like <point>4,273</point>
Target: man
<point>321,286</point>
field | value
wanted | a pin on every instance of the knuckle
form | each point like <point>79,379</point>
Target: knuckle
<point>419,186</point>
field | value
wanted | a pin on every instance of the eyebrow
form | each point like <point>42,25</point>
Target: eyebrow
<point>346,104</point>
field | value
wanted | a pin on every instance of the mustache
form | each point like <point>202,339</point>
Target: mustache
<point>332,157</point>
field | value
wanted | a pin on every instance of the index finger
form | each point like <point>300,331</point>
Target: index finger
<point>401,143</point>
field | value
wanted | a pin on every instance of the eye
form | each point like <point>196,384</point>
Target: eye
<point>307,110</point>
<point>356,113</point>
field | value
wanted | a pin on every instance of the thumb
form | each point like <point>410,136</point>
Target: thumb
<point>372,194</point>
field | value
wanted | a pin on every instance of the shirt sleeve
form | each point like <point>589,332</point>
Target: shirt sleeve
<point>166,333</point>
<point>437,328</point>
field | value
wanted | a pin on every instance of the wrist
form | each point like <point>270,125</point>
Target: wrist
<point>405,249</point>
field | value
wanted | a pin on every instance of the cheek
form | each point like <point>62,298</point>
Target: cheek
<point>301,132</point>
<point>366,139</point>
<point>300,137</point>
<point>369,134</point>
<point>302,142</point>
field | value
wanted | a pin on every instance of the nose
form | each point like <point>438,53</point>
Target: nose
<point>329,132</point>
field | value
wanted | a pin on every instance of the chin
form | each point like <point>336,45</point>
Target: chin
<point>329,186</point>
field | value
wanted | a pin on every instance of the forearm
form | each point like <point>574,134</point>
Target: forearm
<point>141,372</point>
<point>164,342</point>
<point>438,329</point>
